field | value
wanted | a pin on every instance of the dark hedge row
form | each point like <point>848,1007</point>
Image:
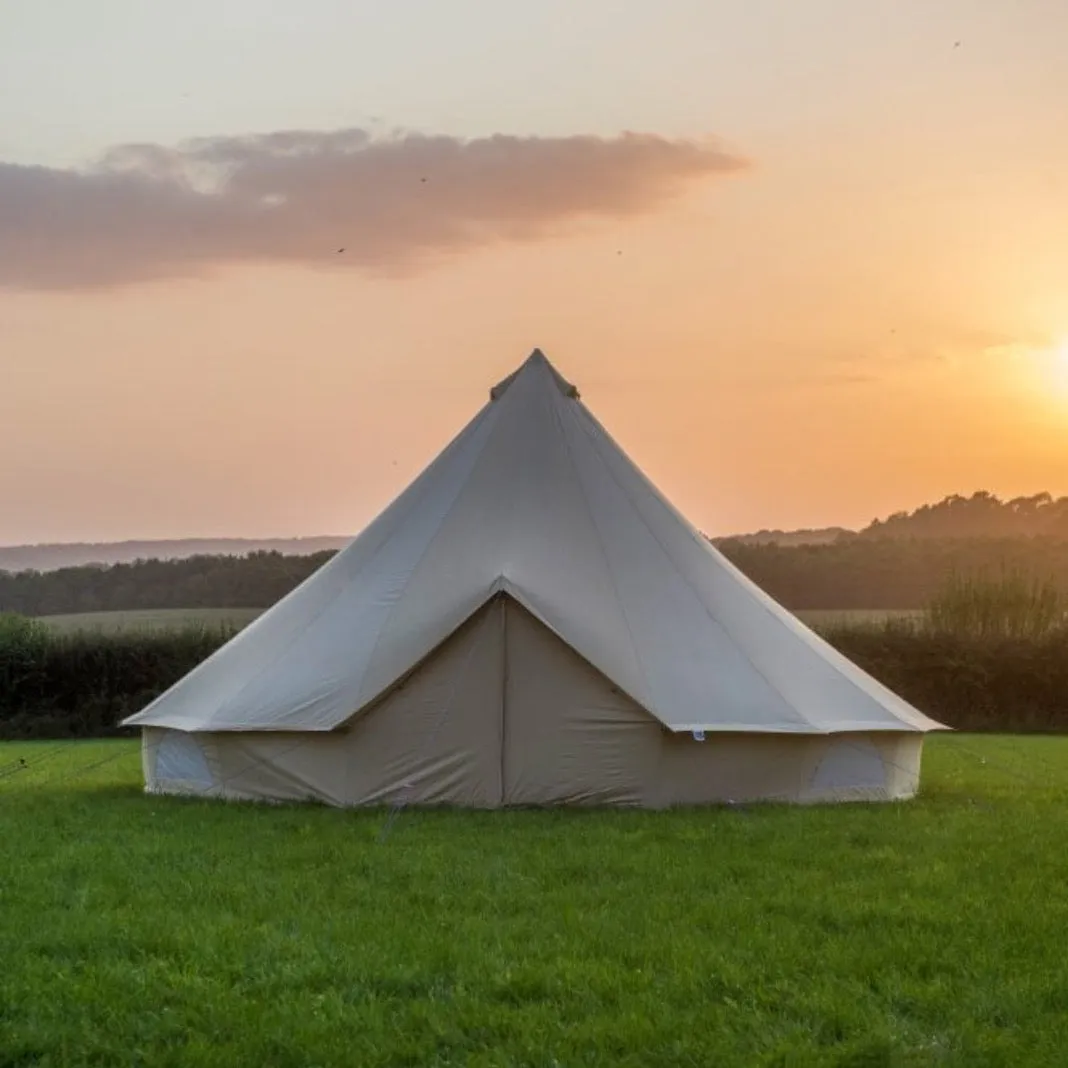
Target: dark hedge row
<point>970,683</point>
<point>81,685</point>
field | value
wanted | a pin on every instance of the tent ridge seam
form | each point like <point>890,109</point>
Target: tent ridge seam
<point>668,556</point>
<point>608,567</point>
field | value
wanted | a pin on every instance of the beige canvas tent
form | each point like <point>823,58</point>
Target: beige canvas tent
<point>530,622</point>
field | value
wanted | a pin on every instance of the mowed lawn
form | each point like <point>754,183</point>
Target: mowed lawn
<point>142,930</point>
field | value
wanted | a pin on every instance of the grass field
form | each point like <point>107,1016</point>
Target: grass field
<point>176,618</point>
<point>852,617</point>
<point>138,930</point>
<point>153,619</point>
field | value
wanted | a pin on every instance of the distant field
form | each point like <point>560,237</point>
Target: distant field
<point>153,619</point>
<point>830,617</point>
<point>177,618</point>
<point>195,934</point>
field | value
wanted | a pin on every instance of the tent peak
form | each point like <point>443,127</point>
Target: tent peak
<point>536,363</point>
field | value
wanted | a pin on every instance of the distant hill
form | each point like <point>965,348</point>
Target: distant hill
<point>982,515</point>
<point>81,554</point>
<point>103,554</point>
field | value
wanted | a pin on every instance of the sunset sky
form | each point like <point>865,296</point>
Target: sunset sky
<point>807,261</point>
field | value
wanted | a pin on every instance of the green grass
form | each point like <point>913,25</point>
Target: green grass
<point>141,930</point>
<point>179,618</point>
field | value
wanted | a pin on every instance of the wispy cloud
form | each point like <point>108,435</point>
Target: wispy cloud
<point>919,348</point>
<point>396,203</point>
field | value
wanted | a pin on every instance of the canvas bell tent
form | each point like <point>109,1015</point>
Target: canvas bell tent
<point>530,622</point>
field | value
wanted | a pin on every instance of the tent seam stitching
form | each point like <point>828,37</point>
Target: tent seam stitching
<point>719,626</point>
<point>767,604</point>
<point>607,562</point>
<point>430,541</point>
<point>318,615</point>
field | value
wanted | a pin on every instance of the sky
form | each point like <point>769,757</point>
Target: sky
<point>807,262</point>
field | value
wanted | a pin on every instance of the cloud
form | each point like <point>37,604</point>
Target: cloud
<point>395,204</point>
<point>924,347</point>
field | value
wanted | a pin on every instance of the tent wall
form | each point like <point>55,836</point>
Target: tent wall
<point>570,737</point>
<point>504,713</point>
<point>788,767</point>
<point>433,739</point>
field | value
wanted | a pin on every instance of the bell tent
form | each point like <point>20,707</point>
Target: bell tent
<point>530,623</point>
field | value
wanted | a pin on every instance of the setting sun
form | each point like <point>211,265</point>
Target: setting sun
<point>1060,365</point>
<point>1055,366</point>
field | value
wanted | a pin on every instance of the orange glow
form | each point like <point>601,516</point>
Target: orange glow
<point>1059,360</point>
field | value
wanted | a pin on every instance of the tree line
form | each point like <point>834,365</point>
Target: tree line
<point>256,580</point>
<point>981,515</point>
<point>854,573</point>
